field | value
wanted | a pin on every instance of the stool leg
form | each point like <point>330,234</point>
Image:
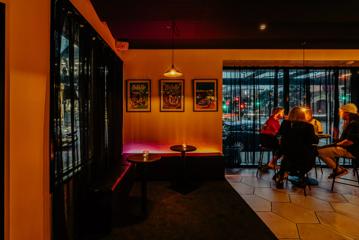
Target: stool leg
<point>334,171</point>
<point>356,173</point>
<point>355,168</point>
<point>260,163</point>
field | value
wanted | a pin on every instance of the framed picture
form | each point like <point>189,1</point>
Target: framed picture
<point>138,95</point>
<point>171,95</point>
<point>205,95</point>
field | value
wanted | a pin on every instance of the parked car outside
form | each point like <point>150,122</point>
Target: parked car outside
<point>244,134</point>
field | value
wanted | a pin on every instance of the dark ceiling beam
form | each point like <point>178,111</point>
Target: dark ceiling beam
<point>228,24</point>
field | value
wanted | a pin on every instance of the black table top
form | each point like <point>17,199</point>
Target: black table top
<point>321,135</point>
<point>181,148</point>
<point>140,158</point>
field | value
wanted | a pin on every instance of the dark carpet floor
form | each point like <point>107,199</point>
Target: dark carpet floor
<point>213,211</point>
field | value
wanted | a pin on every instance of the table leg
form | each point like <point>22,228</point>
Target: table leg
<point>183,159</point>
<point>143,188</point>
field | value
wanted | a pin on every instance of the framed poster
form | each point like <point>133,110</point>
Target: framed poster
<point>138,95</point>
<point>205,95</point>
<point>172,95</point>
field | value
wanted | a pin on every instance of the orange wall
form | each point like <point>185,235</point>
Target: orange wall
<point>157,130</point>
<point>27,197</point>
<point>28,51</point>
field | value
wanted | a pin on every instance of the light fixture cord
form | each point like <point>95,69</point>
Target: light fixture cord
<point>173,42</point>
<point>303,52</point>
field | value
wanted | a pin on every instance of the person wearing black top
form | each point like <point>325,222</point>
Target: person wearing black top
<point>297,139</point>
<point>348,144</point>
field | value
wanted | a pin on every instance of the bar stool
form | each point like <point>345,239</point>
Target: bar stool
<point>262,149</point>
<point>355,173</point>
<point>315,167</point>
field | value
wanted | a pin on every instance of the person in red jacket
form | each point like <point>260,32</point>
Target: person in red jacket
<point>268,134</point>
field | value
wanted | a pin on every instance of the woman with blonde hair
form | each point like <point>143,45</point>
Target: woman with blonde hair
<point>297,114</point>
<point>316,124</point>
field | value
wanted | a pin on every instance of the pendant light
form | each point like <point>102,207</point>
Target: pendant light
<point>303,52</point>
<point>173,72</point>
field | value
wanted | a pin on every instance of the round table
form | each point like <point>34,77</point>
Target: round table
<point>142,161</point>
<point>322,135</point>
<point>183,148</point>
<point>183,186</point>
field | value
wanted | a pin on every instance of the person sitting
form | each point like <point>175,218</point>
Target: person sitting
<point>348,144</point>
<point>318,129</point>
<point>296,142</point>
<point>268,134</point>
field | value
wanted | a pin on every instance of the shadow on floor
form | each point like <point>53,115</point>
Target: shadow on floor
<point>212,211</point>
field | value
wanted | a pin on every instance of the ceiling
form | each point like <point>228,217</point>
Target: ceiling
<point>228,24</point>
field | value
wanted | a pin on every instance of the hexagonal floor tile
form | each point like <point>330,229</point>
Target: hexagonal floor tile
<point>233,178</point>
<point>318,232</point>
<point>242,188</point>
<point>294,213</point>
<point>340,223</point>
<point>347,209</point>
<point>281,227</point>
<point>257,203</point>
<point>327,196</point>
<point>352,198</point>
<point>271,195</point>
<point>311,203</point>
<point>255,182</point>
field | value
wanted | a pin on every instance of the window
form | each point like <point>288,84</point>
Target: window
<point>250,94</point>
<point>86,116</point>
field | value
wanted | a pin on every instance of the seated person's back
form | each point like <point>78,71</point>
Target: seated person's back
<point>297,139</point>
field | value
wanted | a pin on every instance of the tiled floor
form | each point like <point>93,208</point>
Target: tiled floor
<point>290,215</point>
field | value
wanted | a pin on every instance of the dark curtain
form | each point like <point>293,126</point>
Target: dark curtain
<point>250,94</point>
<point>2,115</point>
<point>86,120</point>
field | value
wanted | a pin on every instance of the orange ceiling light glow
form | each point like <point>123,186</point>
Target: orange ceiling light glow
<point>173,72</point>
<point>262,26</point>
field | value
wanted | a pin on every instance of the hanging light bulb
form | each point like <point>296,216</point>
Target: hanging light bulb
<point>173,72</point>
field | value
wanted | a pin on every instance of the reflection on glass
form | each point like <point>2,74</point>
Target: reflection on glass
<point>69,105</point>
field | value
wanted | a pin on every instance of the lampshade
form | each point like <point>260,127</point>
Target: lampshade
<point>173,72</point>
